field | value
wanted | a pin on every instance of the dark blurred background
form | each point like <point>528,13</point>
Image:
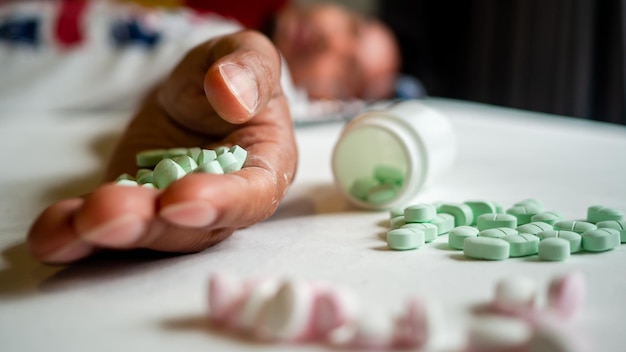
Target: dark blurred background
<point>564,57</point>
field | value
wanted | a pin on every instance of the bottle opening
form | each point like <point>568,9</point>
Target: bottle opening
<point>371,166</point>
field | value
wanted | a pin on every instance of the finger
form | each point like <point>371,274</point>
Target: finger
<point>52,237</point>
<point>244,77</point>
<point>115,216</point>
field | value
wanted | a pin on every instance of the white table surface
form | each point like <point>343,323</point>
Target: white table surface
<point>158,303</point>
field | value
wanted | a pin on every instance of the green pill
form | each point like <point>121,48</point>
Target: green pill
<point>491,221</point>
<point>549,217</point>
<point>240,154</point>
<point>186,162</point>
<point>124,176</point>
<point>430,230</point>
<point>600,240</point>
<point>573,225</point>
<point>444,223</point>
<point>144,176</point>
<point>397,222</point>
<point>530,202</point>
<point>228,162</point>
<point>522,245</point>
<point>405,239</point>
<point>480,207</point>
<point>149,158</point>
<point>523,213</point>
<point>211,167</point>
<point>126,182</point>
<point>486,248</point>
<point>205,156</point>
<point>361,187</point>
<point>572,237</point>
<point>221,150</point>
<point>457,236</point>
<point>166,172</point>
<point>462,213</point>
<point>389,174</point>
<point>420,213</point>
<point>174,152</point>
<point>599,213</point>
<point>534,228</point>
<point>619,225</point>
<point>382,193</point>
<point>394,212</point>
<point>554,249</point>
<point>498,232</point>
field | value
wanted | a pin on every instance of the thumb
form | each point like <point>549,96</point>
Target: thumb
<point>245,76</point>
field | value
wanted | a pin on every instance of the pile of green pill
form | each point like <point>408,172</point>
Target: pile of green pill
<point>483,230</point>
<point>383,186</point>
<point>160,167</point>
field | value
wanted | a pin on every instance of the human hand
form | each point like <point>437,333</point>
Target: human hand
<point>224,92</point>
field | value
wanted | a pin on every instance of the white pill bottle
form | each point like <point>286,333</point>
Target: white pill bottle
<point>407,135</point>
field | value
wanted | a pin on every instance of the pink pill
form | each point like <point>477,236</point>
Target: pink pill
<point>224,291</point>
<point>567,294</point>
<point>332,309</point>
<point>411,329</point>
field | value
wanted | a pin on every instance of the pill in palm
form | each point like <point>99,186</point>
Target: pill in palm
<point>405,239</point>
<point>205,155</point>
<point>486,248</point>
<point>211,167</point>
<point>573,225</point>
<point>240,155</point>
<point>166,172</point>
<point>125,182</point>
<point>228,162</point>
<point>549,217</point>
<point>522,245</point>
<point>490,221</point>
<point>480,207</point>
<point>600,240</point>
<point>457,236</point>
<point>599,213</point>
<point>149,158</point>
<point>221,150</point>
<point>186,162</point>
<point>462,213</point>
<point>144,176</point>
<point>174,152</point>
<point>498,232</point>
<point>619,225</point>
<point>430,230</point>
<point>574,238</point>
<point>534,227</point>
<point>554,249</point>
<point>420,213</point>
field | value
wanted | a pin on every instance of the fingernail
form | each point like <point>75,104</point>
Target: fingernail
<point>68,253</point>
<point>191,214</point>
<point>242,84</point>
<point>120,232</point>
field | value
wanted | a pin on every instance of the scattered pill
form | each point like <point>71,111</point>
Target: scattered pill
<point>486,248</point>
<point>397,222</point>
<point>534,228</point>
<point>566,294</point>
<point>522,245</point>
<point>394,212</point>
<point>515,294</point>
<point>444,223</point>
<point>523,212</point>
<point>480,207</point>
<point>166,172</point>
<point>530,202</point>
<point>462,213</point>
<point>574,238</point>
<point>572,225</point>
<point>554,249</point>
<point>490,221</point>
<point>619,225</point>
<point>498,232</point>
<point>599,213</point>
<point>457,235</point>
<point>430,230</point>
<point>600,240</point>
<point>498,333</point>
<point>405,239</point>
<point>420,213</point>
<point>549,217</point>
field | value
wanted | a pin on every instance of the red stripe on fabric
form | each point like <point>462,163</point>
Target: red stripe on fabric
<point>68,28</point>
